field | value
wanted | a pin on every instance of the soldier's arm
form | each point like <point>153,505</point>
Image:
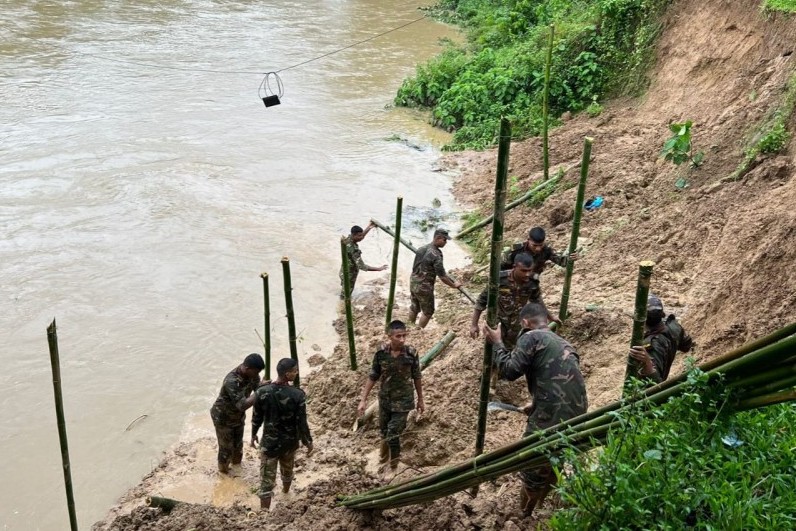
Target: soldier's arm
<point>514,364</point>
<point>686,343</point>
<point>237,395</point>
<point>303,426</point>
<point>257,416</point>
<point>355,257</point>
<point>559,259</point>
<point>480,306</point>
<point>657,352</point>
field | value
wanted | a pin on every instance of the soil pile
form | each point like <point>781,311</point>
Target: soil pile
<point>724,254</point>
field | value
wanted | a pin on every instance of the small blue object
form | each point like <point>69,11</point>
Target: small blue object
<point>732,440</point>
<point>594,203</point>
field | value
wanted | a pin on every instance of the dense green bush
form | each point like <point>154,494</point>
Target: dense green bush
<point>692,465</point>
<point>601,47</point>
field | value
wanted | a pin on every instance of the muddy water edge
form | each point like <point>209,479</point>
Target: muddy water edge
<point>139,205</point>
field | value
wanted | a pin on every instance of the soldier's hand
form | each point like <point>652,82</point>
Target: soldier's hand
<point>573,256</point>
<point>527,408</point>
<point>493,335</point>
<point>457,285</point>
<point>310,449</point>
<point>254,442</point>
<point>361,408</point>
<point>421,407</point>
<point>556,320</point>
<point>639,354</point>
<point>383,268</point>
<point>474,331</point>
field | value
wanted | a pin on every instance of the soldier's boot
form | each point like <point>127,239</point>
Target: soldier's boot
<point>529,499</point>
<point>223,467</point>
<point>237,458</point>
<point>286,486</point>
<point>384,452</point>
<point>265,503</point>
<point>394,458</point>
<point>424,319</point>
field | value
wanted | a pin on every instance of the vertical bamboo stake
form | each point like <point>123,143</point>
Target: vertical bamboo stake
<point>494,275</point>
<point>349,315</point>
<point>546,106</point>
<point>55,363</point>
<point>640,313</point>
<point>573,239</point>
<point>395,248</point>
<point>267,319</point>
<point>291,323</point>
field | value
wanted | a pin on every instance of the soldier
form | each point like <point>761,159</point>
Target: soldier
<point>551,368</point>
<point>517,288</point>
<point>282,411</point>
<point>229,410</point>
<point>541,253</point>
<point>425,270</point>
<point>398,368</point>
<point>355,262</point>
<point>662,340</point>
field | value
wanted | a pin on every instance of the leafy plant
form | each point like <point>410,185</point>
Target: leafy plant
<point>787,6</point>
<point>678,149</point>
<point>594,108</point>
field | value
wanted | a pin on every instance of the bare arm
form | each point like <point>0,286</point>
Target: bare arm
<point>421,406</point>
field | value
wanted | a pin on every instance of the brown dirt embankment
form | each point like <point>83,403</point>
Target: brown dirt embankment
<point>725,255</point>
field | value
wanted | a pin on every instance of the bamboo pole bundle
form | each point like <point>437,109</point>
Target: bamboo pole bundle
<point>55,364</point>
<point>394,269</point>
<point>349,314</point>
<point>504,147</point>
<point>267,320</point>
<point>291,322</point>
<point>640,314</point>
<point>546,106</point>
<point>425,361</point>
<point>573,240</point>
<point>412,248</point>
<point>590,429</point>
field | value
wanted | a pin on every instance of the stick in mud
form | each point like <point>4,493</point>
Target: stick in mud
<point>267,321</point>
<point>349,314</point>
<point>394,269</point>
<point>55,363</point>
<point>291,323</point>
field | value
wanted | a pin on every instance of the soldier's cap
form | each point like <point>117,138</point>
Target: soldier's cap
<point>443,233</point>
<point>654,303</point>
<point>255,361</point>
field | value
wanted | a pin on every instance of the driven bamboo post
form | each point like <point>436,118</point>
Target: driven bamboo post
<point>640,314</point>
<point>267,321</point>
<point>573,239</point>
<point>395,248</point>
<point>349,315</point>
<point>494,275</point>
<point>291,323</point>
<point>546,106</point>
<point>55,363</point>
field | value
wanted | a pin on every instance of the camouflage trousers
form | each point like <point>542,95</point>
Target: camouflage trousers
<point>391,425</point>
<point>230,441</point>
<point>422,296</point>
<point>352,277</point>
<point>268,471</point>
<point>540,477</point>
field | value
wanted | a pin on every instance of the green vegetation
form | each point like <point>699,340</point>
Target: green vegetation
<point>601,47</point>
<point>687,463</point>
<point>788,6</point>
<point>678,148</point>
<point>773,135</point>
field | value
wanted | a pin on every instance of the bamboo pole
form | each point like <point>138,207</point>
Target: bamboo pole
<point>164,504</point>
<point>394,270</point>
<point>291,323</point>
<point>767,400</point>
<point>639,315</point>
<point>267,322</point>
<point>349,314</point>
<point>573,239</point>
<point>546,106</point>
<point>504,147</point>
<point>55,364</point>
<point>425,361</point>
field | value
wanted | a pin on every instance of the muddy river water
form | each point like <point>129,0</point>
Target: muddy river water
<point>139,205</point>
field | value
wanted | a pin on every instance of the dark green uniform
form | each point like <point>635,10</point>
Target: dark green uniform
<point>425,270</point>
<point>229,415</point>
<point>511,298</point>
<point>282,411</point>
<point>547,254</point>
<point>355,262</point>
<point>551,367</point>
<point>664,341</point>
<point>397,392</point>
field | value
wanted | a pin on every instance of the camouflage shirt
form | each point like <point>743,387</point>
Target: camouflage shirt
<point>511,298</point>
<point>397,375</point>
<point>282,411</point>
<point>664,341</point>
<point>355,262</point>
<point>428,265</point>
<point>551,367</point>
<point>230,407</point>
<point>547,254</point>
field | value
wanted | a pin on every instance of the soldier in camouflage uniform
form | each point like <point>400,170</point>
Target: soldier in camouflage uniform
<point>662,339</point>
<point>229,410</point>
<point>425,270</point>
<point>540,252</point>
<point>397,367</point>
<point>517,287</point>
<point>551,367</point>
<point>282,411</point>
<point>355,262</point>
